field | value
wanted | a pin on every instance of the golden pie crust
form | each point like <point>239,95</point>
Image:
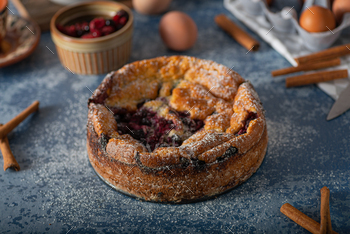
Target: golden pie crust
<point>211,161</point>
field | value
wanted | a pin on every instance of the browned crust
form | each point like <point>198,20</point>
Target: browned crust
<point>201,167</point>
<point>186,182</point>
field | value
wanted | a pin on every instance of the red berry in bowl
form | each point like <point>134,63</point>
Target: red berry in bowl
<point>123,13</point>
<point>97,27</point>
<point>96,33</point>
<point>71,31</point>
<point>106,30</point>
<point>119,16</point>
<point>93,34</point>
<point>97,23</point>
<point>82,26</point>
<point>61,28</point>
<point>116,19</point>
<point>88,35</point>
<point>123,20</point>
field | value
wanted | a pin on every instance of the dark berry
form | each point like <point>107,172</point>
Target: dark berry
<point>86,27</point>
<point>110,23</point>
<point>251,116</point>
<point>83,26</point>
<point>176,139</point>
<point>199,124</point>
<point>138,134</point>
<point>135,126</point>
<point>123,13</point>
<point>97,23</point>
<point>228,153</point>
<point>78,26</point>
<point>79,29</point>
<point>103,140</point>
<point>146,121</point>
<point>152,129</point>
<point>120,19</point>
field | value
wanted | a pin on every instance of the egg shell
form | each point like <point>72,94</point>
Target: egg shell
<point>339,8</point>
<point>151,7</point>
<point>317,19</point>
<point>178,31</point>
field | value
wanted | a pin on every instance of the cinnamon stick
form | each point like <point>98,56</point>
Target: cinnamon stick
<point>241,36</point>
<point>307,67</point>
<point>326,225</point>
<point>330,53</point>
<point>8,127</point>
<point>9,159</point>
<point>300,218</point>
<point>316,77</point>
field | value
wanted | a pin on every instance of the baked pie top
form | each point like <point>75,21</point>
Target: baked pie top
<point>170,110</point>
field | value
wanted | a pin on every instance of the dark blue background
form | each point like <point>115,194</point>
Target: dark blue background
<point>57,190</point>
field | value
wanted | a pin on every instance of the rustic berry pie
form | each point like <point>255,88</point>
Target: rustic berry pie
<point>175,129</point>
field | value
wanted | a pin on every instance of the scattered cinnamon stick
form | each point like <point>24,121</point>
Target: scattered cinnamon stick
<point>308,223</point>
<point>326,225</point>
<point>8,127</point>
<point>316,77</point>
<point>241,36</point>
<point>307,67</point>
<point>300,218</point>
<point>9,159</point>
<point>327,54</point>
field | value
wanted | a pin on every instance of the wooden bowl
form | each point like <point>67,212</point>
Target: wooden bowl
<point>97,55</point>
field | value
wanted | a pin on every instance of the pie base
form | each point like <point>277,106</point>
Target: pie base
<point>175,185</point>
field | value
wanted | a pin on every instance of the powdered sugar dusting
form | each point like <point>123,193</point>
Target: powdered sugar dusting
<point>57,185</point>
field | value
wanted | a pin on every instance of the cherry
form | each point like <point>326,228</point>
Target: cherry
<point>97,23</point>
<point>123,13</point>
<point>120,19</point>
<point>123,20</point>
<point>88,35</point>
<point>116,19</point>
<point>96,33</point>
<point>93,34</point>
<point>60,28</point>
<point>71,31</point>
<point>97,27</point>
<point>106,30</point>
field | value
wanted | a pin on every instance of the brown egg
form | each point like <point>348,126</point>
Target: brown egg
<point>339,8</point>
<point>151,7</point>
<point>317,19</point>
<point>178,30</point>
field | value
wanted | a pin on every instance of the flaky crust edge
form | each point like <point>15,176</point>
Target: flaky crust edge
<point>177,183</point>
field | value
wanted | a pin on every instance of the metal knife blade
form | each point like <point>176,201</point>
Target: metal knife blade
<point>341,105</point>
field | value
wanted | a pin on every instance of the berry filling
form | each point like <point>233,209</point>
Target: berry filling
<point>153,130</point>
<point>251,116</point>
<point>97,27</point>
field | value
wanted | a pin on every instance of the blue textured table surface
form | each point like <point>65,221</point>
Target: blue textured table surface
<point>57,190</point>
